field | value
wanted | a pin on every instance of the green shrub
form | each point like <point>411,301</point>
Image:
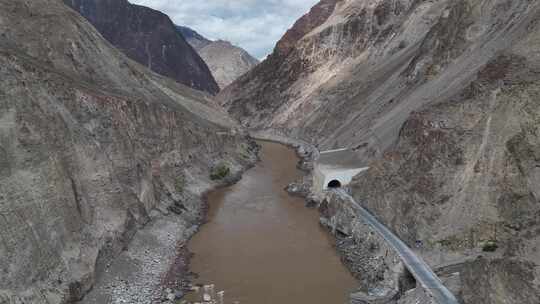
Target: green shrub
<point>180,183</point>
<point>220,172</point>
<point>489,246</point>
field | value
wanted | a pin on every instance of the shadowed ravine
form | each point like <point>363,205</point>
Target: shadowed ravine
<point>261,245</point>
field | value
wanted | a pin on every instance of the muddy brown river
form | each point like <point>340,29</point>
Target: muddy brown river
<point>262,246</point>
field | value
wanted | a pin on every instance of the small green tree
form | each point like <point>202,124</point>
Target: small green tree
<point>220,172</point>
<point>180,183</point>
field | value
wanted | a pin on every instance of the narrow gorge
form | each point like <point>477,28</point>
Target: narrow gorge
<point>261,245</point>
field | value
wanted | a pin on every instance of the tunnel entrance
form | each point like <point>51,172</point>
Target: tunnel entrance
<point>334,184</point>
<point>336,169</point>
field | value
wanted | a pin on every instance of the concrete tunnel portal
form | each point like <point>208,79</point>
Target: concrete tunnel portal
<point>336,168</point>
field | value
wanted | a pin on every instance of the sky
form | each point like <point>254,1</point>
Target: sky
<point>255,25</point>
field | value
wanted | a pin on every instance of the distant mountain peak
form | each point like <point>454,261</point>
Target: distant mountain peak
<point>226,61</point>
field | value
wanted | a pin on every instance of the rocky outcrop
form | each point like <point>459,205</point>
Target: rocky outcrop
<point>317,16</point>
<point>226,61</point>
<point>93,147</point>
<point>440,95</point>
<point>148,37</point>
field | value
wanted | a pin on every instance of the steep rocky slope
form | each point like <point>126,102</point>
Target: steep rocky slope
<point>350,72</point>
<point>93,146</point>
<point>226,61</point>
<point>463,178</point>
<point>441,97</point>
<point>148,37</point>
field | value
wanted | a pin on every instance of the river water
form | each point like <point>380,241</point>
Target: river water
<point>262,246</point>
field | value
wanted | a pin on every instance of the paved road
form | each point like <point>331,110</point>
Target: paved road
<point>418,268</point>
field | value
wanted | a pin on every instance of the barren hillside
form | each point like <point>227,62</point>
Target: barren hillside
<point>93,148</point>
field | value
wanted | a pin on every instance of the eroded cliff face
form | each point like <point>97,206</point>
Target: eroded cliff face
<point>441,97</point>
<point>90,144</point>
<point>148,37</point>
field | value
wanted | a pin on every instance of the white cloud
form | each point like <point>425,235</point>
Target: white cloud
<point>255,25</point>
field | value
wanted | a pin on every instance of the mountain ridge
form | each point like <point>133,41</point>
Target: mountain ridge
<point>149,37</point>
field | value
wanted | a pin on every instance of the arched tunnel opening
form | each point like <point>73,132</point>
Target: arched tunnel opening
<point>334,184</point>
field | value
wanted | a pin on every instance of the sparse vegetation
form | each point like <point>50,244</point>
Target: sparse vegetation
<point>220,171</point>
<point>453,243</point>
<point>432,71</point>
<point>244,151</point>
